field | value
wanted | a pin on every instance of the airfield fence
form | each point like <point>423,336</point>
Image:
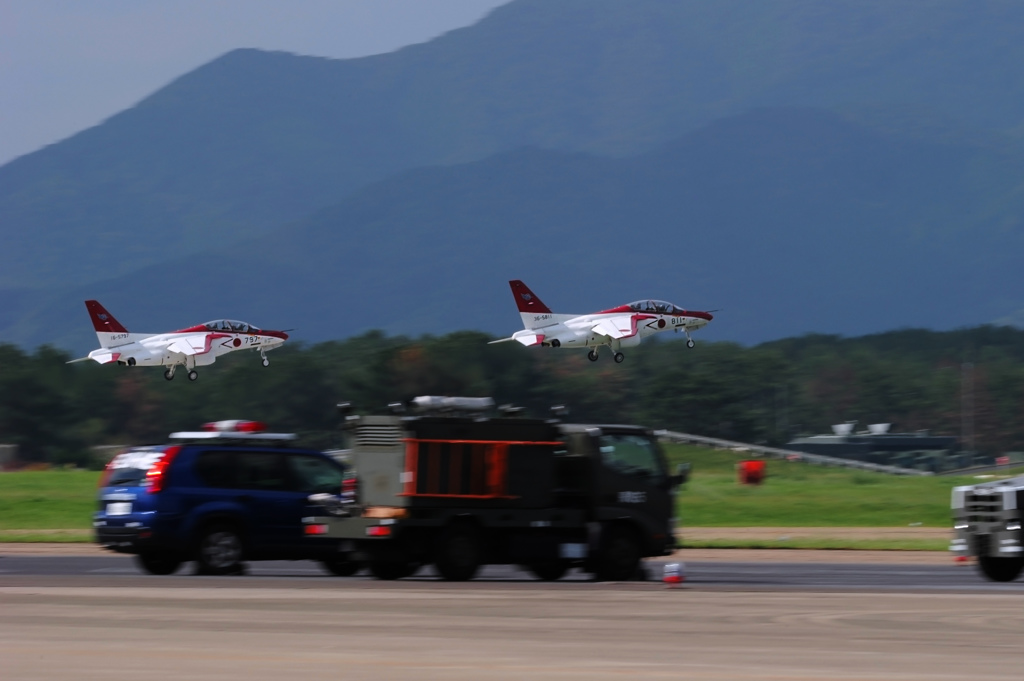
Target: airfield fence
<point>789,454</point>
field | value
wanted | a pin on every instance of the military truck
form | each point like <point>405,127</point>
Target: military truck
<point>452,487</point>
<point>987,526</point>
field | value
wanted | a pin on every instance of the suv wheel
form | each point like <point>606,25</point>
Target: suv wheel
<point>219,551</point>
<point>158,563</point>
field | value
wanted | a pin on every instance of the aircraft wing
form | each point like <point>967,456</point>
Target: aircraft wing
<point>619,326</point>
<point>194,343</point>
<point>527,337</point>
<point>102,356</point>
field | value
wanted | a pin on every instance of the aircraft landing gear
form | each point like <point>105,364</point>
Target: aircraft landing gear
<point>592,355</point>
<point>556,343</point>
<point>266,362</point>
<point>619,357</point>
<point>690,343</point>
<point>193,375</point>
<point>169,374</point>
<point>131,361</point>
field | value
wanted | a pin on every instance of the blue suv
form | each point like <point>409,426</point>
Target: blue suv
<point>222,496</point>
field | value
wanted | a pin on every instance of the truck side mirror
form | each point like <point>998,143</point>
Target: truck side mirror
<point>682,474</point>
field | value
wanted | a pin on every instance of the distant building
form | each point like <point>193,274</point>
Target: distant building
<point>8,456</point>
<point>877,445</point>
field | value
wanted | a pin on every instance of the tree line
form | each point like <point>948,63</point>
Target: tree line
<point>940,381</point>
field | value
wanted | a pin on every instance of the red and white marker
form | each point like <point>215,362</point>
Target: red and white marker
<point>674,575</point>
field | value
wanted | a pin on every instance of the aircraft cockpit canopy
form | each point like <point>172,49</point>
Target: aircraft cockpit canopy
<point>228,325</point>
<point>655,306</point>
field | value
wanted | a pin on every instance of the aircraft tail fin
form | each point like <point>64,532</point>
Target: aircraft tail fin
<point>531,308</point>
<point>108,330</point>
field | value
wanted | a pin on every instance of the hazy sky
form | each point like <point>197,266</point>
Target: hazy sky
<point>66,65</point>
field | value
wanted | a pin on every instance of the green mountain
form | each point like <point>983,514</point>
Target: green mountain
<point>255,140</point>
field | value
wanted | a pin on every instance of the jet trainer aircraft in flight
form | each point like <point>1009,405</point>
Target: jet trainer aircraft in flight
<point>619,327</point>
<point>195,346</point>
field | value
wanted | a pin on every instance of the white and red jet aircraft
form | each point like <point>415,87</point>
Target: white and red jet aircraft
<point>619,327</point>
<point>195,346</point>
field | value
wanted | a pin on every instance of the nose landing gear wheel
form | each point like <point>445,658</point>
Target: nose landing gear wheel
<point>193,375</point>
<point>592,355</point>
<point>690,343</point>
<point>619,357</point>
<point>266,362</point>
<point>168,374</point>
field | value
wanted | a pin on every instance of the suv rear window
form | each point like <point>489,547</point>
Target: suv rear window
<point>128,469</point>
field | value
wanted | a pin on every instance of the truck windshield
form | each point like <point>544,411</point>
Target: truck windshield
<point>631,454</point>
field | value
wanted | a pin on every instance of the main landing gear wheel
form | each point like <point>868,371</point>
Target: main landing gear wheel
<point>169,374</point>
<point>131,361</point>
<point>592,355</point>
<point>556,343</point>
<point>690,343</point>
<point>193,375</point>
<point>619,357</point>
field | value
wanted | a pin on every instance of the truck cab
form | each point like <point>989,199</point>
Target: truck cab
<point>987,526</point>
<point>458,490</point>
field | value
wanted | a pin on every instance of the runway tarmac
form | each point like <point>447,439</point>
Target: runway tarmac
<point>97,617</point>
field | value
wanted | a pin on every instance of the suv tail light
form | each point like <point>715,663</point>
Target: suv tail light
<point>155,476</point>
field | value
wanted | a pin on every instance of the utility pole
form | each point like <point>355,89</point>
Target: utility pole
<point>967,406</point>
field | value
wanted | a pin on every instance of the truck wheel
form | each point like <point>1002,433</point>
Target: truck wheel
<point>619,558</point>
<point>220,551</point>
<point>458,555</point>
<point>158,562</point>
<point>550,572</point>
<point>1000,569</point>
<point>341,565</point>
<point>390,569</point>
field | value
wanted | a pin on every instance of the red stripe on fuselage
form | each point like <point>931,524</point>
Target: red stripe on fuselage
<point>674,312</point>
<point>253,331</point>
